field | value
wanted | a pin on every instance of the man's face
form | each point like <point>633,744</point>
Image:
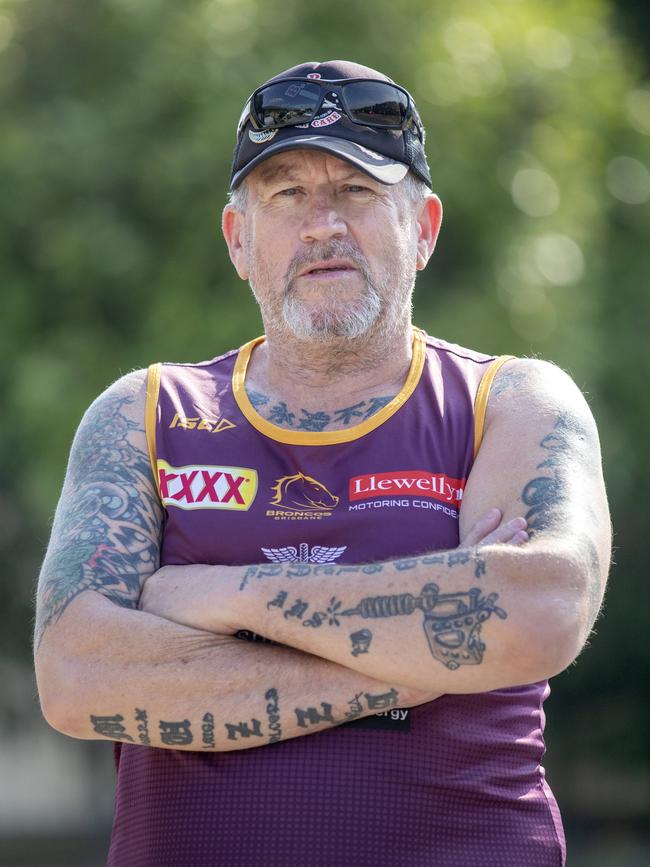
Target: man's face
<point>329,252</point>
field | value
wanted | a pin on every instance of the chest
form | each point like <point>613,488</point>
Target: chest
<point>242,497</point>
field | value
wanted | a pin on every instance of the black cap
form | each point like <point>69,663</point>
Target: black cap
<point>385,154</point>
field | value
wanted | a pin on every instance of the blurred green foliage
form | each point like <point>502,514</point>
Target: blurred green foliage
<point>116,133</point>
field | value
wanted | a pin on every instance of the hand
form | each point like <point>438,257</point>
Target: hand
<point>489,530</point>
<point>194,595</point>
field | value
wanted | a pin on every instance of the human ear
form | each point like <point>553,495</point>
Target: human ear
<point>428,223</point>
<point>232,226</point>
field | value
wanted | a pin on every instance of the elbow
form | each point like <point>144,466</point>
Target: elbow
<point>556,637</point>
<point>553,650</point>
<point>59,695</point>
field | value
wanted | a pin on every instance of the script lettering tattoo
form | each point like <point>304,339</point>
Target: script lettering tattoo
<point>176,734</point>
<point>375,404</point>
<point>356,707</point>
<point>313,421</point>
<point>278,601</point>
<point>459,557</point>
<point>281,416</point>
<point>142,720</point>
<point>406,563</point>
<point>265,571</point>
<point>298,609</point>
<point>320,420</point>
<point>257,398</point>
<point>331,615</point>
<point>244,730</point>
<point>110,727</point>
<point>382,701</point>
<point>207,731</point>
<point>349,413</point>
<point>105,536</point>
<point>273,715</point>
<point>311,716</point>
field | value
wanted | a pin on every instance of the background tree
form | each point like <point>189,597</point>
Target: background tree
<point>115,142</point>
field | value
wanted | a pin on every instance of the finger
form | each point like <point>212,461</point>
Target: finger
<point>485,525</point>
<point>520,538</point>
<point>505,533</point>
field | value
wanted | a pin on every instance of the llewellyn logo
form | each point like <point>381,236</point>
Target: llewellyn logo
<point>197,423</point>
<point>207,487</point>
<point>299,497</point>
<point>303,554</point>
<point>408,483</point>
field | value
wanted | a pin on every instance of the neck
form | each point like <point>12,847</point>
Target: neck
<point>327,373</point>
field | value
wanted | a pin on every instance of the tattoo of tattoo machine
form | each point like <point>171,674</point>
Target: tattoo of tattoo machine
<point>452,621</point>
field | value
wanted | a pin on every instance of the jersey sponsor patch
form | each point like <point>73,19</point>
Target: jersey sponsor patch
<point>402,483</point>
<point>207,487</point>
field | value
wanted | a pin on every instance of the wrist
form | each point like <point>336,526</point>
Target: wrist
<point>224,607</point>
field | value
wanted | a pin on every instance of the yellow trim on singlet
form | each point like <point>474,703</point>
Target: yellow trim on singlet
<point>150,415</point>
<point>323,438</point>
<point>482,395</point>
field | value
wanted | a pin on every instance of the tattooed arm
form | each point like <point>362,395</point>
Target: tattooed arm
<point>459,621</point>
<point>106,670</point>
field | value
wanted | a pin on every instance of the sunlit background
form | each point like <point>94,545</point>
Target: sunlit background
<point>116,132</point>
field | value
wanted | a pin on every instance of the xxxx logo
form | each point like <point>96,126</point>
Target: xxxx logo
<point>207,487</point>
<point>197,423</point>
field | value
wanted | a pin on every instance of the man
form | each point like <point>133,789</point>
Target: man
<point>418,531</point>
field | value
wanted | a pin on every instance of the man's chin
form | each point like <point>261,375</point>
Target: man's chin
<point>326,328</point>
<point>346,320</point>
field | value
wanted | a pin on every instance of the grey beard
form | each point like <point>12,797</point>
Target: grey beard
<point>367,314</point>
<point>355,321</point>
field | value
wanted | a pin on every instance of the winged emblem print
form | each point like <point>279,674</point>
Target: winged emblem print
<point>303,554</point>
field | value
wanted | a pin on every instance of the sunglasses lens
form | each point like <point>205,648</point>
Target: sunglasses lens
<point>285,103</point>
<point>376,103</point>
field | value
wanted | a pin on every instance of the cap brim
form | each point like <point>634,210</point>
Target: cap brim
<point>376,165</point>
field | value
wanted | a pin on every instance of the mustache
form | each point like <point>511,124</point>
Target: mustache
<point>334,249</point>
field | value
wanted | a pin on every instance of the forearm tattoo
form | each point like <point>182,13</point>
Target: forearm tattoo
<point>216,733</point>
<point>459,557</point>
<point>105,536</point>
<point>452,621</point>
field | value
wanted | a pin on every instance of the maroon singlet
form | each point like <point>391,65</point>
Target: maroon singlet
<point>459,784</point>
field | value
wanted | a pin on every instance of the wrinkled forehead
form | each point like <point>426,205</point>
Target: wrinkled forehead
<point>303,165</point>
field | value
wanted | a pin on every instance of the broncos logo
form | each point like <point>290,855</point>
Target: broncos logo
<point>301,493</point>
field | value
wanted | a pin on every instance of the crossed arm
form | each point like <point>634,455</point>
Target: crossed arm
<point>461,621</point>
<point>172,675</point>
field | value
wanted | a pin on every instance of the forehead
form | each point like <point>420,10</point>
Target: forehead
<point>303,164</point>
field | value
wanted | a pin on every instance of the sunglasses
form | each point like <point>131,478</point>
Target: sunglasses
<point>365,101</point>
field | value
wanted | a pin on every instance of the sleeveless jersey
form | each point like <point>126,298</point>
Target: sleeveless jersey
<point>459,782</point>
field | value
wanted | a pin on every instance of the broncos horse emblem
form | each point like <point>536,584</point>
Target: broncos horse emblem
<point>300,493</point>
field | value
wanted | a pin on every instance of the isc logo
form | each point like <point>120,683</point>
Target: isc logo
<point>198,423</point>
<point>207,487</point>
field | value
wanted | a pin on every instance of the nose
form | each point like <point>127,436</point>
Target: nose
<point>322,221</point>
